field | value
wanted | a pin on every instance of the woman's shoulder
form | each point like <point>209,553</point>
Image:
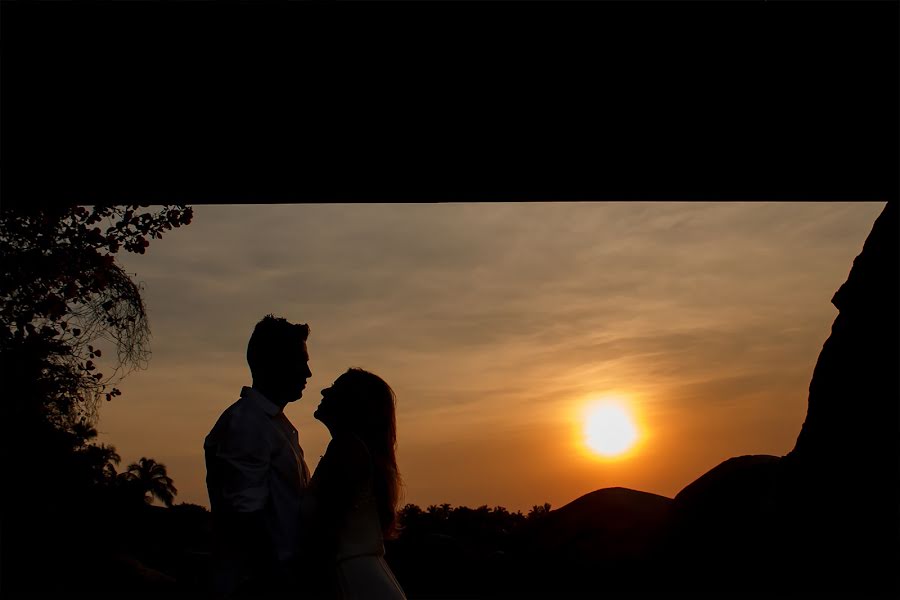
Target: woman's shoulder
<point>350,453</point>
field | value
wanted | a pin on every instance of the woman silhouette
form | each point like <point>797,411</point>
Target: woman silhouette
<point>355,489</point>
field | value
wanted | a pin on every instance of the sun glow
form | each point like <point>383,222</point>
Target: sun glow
<point>609,429</point>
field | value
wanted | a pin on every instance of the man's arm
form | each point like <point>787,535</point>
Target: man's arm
<point>243,461</point>
<point>243,454</point>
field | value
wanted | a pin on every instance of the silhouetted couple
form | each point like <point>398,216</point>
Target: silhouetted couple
<point>277,531</point>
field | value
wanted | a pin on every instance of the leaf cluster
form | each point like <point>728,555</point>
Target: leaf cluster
<point>61,291</point>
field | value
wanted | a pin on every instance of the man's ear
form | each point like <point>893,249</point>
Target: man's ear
<point>261,375</point>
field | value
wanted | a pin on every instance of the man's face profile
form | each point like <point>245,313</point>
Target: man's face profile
<point>297,371</point>
<point>290,372</point>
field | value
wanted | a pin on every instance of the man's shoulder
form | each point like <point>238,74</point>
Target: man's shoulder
<point>241,412</point>
<point>240,406</point>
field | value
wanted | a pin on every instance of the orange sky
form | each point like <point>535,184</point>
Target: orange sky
<point>496,324</point>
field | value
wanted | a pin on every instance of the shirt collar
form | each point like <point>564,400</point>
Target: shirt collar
<point>269,407</point>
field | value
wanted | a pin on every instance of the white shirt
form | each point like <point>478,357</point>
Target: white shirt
<point>254,462</point>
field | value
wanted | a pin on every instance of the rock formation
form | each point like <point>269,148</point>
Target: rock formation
<point>607,541</point>
<point>839,485</point>
<point>608,524</point>
<point>825,517</point>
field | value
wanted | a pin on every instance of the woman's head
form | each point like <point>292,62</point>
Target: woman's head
<point>363,404</point>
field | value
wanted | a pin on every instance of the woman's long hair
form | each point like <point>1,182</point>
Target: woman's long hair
<point>374,421</point>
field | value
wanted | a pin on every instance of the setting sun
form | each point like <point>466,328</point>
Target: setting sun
<point>609,429</point>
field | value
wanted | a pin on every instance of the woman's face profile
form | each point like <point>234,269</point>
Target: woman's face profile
<point>334,402</point>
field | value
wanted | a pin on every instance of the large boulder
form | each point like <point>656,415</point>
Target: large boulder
<point>723,531</point>
<point>839,486</point>
<point>606,540</point>
<point>737,497</point>
<point>825,517</point>
<point>608,524</point>
<point>852,417</point>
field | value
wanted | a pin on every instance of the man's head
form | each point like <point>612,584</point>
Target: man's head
<point>278,359</point>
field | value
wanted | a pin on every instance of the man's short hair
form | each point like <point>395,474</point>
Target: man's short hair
<point>274,338</point>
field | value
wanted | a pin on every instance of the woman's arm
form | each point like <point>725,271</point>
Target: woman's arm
<point>343,474</point>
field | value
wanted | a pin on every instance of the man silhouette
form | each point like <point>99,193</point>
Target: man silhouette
<point>255,472</point>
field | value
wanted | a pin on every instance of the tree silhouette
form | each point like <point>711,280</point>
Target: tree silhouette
<point>481,527</point>
<point>539,511</point>
<point>62,292</point>
<point>65,308</point>
<point>100,460</point>
<point>447,551</point>
<point>62,295</point>
<point>152,480</point>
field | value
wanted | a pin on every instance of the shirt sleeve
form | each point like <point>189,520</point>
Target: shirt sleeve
<point>244,455</point>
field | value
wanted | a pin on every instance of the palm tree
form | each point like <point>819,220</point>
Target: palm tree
<point>99,460</point>
<point>151,479</point>
<point>102,460</point>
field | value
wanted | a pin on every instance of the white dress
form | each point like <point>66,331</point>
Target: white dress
<point>361,573</point>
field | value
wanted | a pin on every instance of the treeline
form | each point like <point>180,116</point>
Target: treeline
<point>447,551</point>
<point>481,529</point>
